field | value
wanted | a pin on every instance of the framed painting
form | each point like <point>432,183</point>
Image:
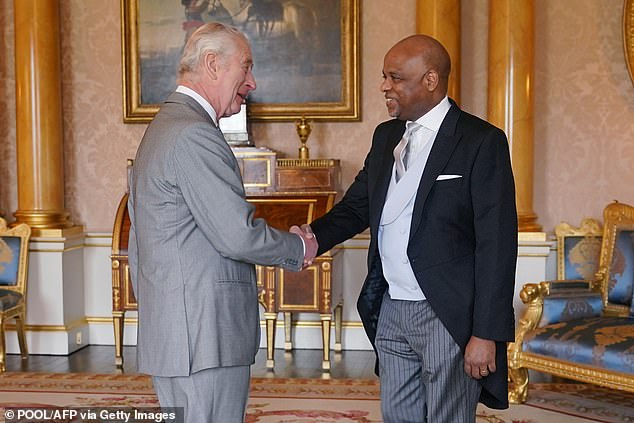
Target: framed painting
<point>306,54</point>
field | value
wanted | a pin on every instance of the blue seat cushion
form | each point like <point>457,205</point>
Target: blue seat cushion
<point>9,299</point>
<point>603,342</point>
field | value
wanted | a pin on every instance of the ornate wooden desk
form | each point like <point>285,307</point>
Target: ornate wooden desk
<point>311,290</point>
<point>300,192</point>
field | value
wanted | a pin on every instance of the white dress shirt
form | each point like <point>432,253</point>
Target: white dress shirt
<point>430,121</point>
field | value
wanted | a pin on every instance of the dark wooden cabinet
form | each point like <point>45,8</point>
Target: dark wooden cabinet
<point>304,190</point>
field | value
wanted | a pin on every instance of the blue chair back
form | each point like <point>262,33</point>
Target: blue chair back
<point>10,247</point>
<point>616,268</point>
<point>621,276</point>
<point>578,250</point>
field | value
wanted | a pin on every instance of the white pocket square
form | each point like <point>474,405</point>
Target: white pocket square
<point>445,177</point>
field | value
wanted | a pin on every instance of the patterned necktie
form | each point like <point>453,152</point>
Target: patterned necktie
<point>402,148</point>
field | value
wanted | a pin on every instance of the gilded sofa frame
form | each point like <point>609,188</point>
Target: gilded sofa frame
<point>617,217</point>
<point>18,310</point>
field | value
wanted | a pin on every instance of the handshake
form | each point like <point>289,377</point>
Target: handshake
<point>310,242</point>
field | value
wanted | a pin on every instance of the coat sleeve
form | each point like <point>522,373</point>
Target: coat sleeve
<point>211,186</point>
<point>351,215</point>
<point>495,225</point>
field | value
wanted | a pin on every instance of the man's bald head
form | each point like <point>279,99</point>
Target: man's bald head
<point>434,54</point>
<point>416,76</point>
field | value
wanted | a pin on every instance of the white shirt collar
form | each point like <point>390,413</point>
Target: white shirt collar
<point>204,103</point>
<point>433,118</point>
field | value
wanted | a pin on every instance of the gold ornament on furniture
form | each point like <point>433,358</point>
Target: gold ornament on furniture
<point>303,130</point>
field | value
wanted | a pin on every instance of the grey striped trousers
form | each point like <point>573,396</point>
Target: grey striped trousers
<point>421,367</point>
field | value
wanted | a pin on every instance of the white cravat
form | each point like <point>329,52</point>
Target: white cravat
<point>402,149</point>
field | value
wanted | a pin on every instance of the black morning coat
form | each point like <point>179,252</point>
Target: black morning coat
<point>463,237</point>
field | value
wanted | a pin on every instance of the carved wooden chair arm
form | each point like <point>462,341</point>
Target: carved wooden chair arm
<point>551,302</point>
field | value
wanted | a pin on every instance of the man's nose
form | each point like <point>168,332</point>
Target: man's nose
<point>250,82</point>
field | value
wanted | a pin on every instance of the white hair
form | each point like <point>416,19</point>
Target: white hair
<point>212,37</point>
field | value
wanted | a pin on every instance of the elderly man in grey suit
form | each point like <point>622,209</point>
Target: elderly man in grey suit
<point>194,240</point>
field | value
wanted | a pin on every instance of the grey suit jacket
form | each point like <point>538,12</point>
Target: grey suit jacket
<point>193,240</point>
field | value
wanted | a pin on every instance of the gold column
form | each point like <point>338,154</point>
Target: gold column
<point>441,20</point>
<point>39,133</point>
<point>510,95</point>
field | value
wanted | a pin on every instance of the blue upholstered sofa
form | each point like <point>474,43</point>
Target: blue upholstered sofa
<point>579,329</point>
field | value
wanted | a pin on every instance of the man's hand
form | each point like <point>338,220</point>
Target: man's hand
<point>479,357</point>
<point>310,243</point>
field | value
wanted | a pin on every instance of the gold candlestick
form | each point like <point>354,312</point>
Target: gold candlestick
<point>303,130</point>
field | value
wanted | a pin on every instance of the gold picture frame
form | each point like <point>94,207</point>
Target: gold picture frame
<point>628,35</point>
<point>298,73</point>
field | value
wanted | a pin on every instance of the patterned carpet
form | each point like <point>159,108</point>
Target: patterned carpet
<point>306,400</point>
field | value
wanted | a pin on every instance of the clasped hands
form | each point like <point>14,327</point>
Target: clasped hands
<point>310,242</point>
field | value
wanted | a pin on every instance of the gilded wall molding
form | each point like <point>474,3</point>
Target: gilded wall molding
<point>628,35</point>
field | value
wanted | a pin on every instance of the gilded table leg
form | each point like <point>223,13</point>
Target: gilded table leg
<point>271,320</point>
<point>117,319</point>
<point>19,328</point>
<point>288,324</point>
<point>338,323</point>
<point>325,334</point>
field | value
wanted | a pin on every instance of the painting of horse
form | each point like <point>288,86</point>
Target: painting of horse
<point>305,53</point>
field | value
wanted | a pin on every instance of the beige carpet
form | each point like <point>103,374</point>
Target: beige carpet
<point>307,400</point>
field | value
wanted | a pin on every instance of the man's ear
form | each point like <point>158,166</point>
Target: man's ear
<point>210,65</point>
<point>431,80</point>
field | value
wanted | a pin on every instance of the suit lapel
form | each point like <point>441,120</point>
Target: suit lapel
<point>441,151</point>
<point>382,182</point>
